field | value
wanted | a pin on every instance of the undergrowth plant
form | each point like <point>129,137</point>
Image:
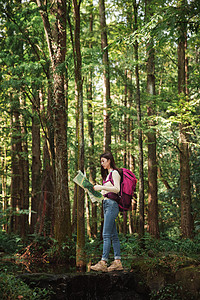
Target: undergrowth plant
<point>171,292</point>
<point>12,287</point>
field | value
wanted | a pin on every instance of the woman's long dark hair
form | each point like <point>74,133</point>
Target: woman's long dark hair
<point>104,172</point>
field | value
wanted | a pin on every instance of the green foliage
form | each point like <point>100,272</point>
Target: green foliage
<point>173,244</point>
<point>37,249</point>
<point>10,243</point>
<point>62,253</point>
<point>171,292</point>
<point>6,214</point>
<point>12,287</point>
<point>168,252</point>
<point>130,246</point>
<point>93,248</point>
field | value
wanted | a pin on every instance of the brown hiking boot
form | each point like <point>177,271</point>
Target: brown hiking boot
<point>115,266</point>
<point>101,266</point>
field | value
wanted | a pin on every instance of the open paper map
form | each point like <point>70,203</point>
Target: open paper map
<point>83,182</point>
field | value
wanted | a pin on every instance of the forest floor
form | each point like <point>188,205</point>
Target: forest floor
<point>166,266</point>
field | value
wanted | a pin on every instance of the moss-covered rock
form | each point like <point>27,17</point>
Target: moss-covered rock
<point>189,279</point>
<point>154,277</point>
<point>83,286</point>
<point>158,272</point>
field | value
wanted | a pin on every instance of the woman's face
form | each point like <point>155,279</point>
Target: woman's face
<point>105,163</point>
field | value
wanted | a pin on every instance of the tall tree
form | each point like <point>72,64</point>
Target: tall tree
<point>186,216</point>
<point>92,169</point>
<point>19,150</point>
<point>36,164</point>
<point>4,183</point>
<point>106,78</point>
<point>56,40</point>
<point>131,159</point>
<point>80,253</point>
<point>25,163</point>
<point>153,227</point>
<point>45,192</point>
<point>17,167</point>
<point>140,135</point>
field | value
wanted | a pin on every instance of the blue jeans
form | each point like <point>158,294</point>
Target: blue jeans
<point>111,210</point>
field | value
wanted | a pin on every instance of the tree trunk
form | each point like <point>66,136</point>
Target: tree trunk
<point>153,227</point>
<point>140,140</point>
<point>186,216</point>
<point>130,138</point>
<point>57,50</point>
<point>36,166</point>
<point>125,123</point>
<point>92,169</point>
<point>17,169</point>
<point>46,216</point>
<point>91,159</point>
<point>124,222</point>
<point>80,253</point>
<point>87,209</point>
<point>48,176</point>
<point>4,189</point>
<point>152,163</point>
<point>106,78</point>
<point>25,204</point>
<point>74,210</point>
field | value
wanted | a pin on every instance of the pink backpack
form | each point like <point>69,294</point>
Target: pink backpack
<point>127,190</point>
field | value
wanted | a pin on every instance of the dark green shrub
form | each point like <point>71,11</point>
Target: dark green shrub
<point>13,288</point>
<point>170,292</point>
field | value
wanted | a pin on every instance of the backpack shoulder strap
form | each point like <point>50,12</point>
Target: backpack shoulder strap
<point>109,178</point>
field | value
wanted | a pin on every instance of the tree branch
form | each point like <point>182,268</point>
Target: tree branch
<point>47,29</point>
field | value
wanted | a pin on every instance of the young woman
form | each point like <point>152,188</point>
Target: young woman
<point>111,210</point>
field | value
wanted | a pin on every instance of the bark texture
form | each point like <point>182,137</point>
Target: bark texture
<point>57,50</point>
<point>36,166</point>
<point>80,253</point>
<point>153,227</point>
<point>17,169</point>
<point>140,135</point>
<point>186,216</point>
<point>106,78</point>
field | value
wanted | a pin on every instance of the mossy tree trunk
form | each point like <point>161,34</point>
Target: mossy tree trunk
<point>56,40</point>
